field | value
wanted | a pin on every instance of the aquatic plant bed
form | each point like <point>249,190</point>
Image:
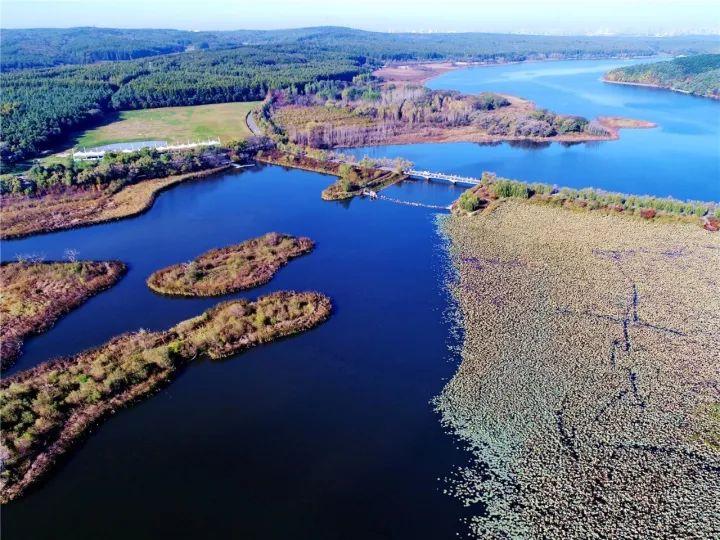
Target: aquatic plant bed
<point>47,409</point>
<point>36,294</point>
<point>353,180</point>
<point>588,384</point>
<point>230,269</point>
<point>493,188</point>
<point>24,215</point>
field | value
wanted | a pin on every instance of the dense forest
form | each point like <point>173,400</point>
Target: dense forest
<point>699,75</point>
<point>47,47</point>
<point>39,105</point>
<point>110,69</point>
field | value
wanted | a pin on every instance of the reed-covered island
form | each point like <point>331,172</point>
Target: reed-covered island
<point>36,294</point>
<point>47,409</point>
<point>229,269</point>
<point>588,384</point>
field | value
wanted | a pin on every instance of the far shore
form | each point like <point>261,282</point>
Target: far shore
<point>658,86</point>
<point>422,72</point>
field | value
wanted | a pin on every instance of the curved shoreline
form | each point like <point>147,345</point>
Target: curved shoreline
<point>659,87</point>
<point>181,344</point>
<point>12,345</point>
<point>136,207</point>
<point>255,267</point>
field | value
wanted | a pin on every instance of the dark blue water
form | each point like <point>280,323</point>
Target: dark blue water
<point>679,158</point>
<point>328,434</point>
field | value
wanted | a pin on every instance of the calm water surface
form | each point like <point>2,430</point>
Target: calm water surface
<point>679,158</point>
<point>329,434</point>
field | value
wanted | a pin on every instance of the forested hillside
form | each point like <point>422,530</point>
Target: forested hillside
<point>699,75</point>
<point>132,69</point>
<point>49,47</point>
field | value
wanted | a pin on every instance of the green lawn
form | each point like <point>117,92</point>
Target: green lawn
<point>224,121</point>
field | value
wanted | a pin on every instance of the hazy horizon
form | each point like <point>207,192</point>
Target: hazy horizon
<point>553,17</point>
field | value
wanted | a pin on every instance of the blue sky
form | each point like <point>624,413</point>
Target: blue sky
<point>531,16</point>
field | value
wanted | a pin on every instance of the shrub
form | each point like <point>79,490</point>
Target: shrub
<point>509,188</point>
<point>469,202</point>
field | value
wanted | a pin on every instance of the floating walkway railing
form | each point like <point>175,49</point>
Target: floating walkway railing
<point>452,178</point>
<point>99,153</point>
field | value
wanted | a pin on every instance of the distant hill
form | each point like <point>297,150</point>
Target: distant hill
<point>47,47</point>
<point>699,75</point>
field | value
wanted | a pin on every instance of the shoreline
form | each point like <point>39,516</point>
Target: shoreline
<point>136,208</point>
<point>180,345</point>
<point>455,65</point>
<point>659,87</point>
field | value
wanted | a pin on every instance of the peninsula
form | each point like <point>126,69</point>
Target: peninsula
<point>698,75</point>
<point>47,409</point>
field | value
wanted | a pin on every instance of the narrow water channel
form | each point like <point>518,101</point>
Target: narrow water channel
<point>329,434</point>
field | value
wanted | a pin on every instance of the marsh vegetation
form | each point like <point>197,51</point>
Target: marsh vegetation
<point>36,294</point>
<point>47,409</point>
<point>229,269</point>
<point>587,388</point>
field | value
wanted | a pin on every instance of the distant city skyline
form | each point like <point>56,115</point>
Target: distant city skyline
<point>589,17</point>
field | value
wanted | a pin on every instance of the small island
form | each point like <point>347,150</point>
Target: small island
<point>698,75</point>
<point>36,294</point>
<point>230,269</point>
<point>354,178</point>
<point>48,409</point>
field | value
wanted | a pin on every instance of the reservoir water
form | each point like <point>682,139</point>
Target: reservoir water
<point>679,158</point>
<point>329,434</point>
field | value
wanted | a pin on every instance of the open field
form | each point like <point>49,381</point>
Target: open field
<point>47,409</point>
<point>224,121</point>
<point>230,269</point>
<point>35,295</point>
<point>588,384</point>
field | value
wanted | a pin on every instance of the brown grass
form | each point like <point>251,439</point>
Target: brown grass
<point>35,295</point>
<point>588,383</point>
<point>24,216</point>
<point>47,409</point>
<point>230,269</point>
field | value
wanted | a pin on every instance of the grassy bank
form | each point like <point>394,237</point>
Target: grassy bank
<point>588,374</point>
<point>47,409</point>
<point>234,268</point>
<point>36,294</point>
<point>70,208</point>
<point>493,188</point>
<point>224,121</point>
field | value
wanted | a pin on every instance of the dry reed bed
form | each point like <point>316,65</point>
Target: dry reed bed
<point>27,215</point>
<point>47,409</point>
<point>590,380</point>
<point>230,269</point>
<point>33,296</point>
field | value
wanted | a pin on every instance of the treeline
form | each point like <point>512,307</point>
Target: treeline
<point>38,106</point>
<point>364,112</point>
<point>113,171</point>
<point>51,47</point>
<point>699,75</point>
